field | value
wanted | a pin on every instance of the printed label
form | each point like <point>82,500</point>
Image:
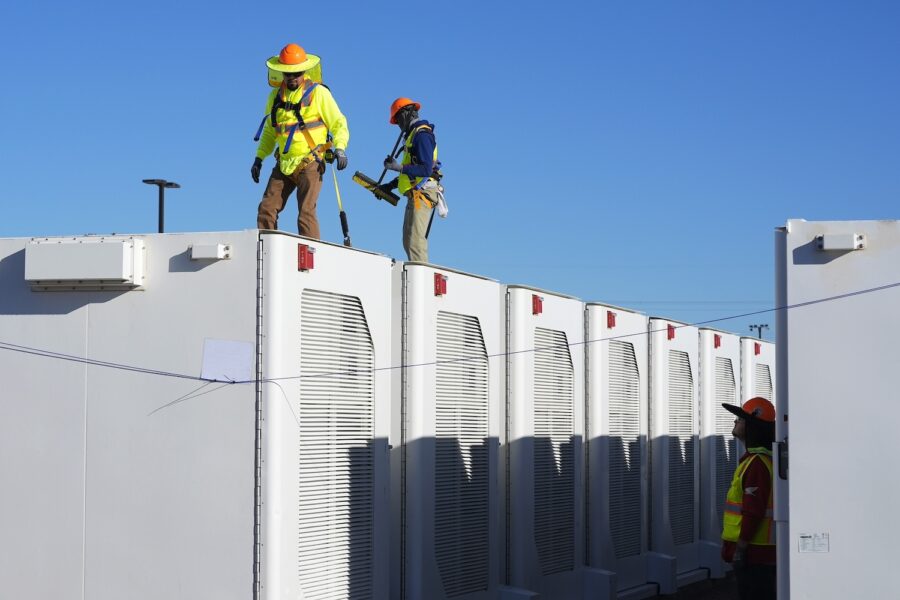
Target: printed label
<point>814,542</point>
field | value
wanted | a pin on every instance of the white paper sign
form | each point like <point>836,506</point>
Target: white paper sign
<point>814,542</point>
<point>227,360</point>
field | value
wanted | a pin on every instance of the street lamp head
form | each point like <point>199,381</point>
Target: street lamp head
<point>161,183</point>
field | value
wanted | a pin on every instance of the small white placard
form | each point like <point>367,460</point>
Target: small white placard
<point>814,542</point>
<point>227,360</point>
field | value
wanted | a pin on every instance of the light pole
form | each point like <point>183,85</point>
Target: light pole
<point>162,184</point>
<point>759,328</point>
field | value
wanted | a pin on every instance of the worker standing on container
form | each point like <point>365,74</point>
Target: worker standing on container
<point>303,126</point>
<point>419,177</point>
<point>748,532</point>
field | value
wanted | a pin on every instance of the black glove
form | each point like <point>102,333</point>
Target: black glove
<point>388,186</point>
<point>340,158</point>
<point>255,169</point>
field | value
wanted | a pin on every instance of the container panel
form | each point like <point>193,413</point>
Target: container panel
<point>461,495</point>
<point>335,508</point>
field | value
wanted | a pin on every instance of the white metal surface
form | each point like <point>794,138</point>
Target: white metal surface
<point>101,262</point>
<point>546,406</point>
<point>720,382</point>
<point>145,485</point>
<point>127,486</point>
<point>210,251</point>
<point>325,357</point>
<point>616,483</point>
<point>448,537</point>
<point>757,369</point>
<point>675,466</point>
<point>837,379</point>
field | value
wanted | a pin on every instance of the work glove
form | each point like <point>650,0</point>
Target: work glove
<point>388,187</point>
<point>340,158</point>
<point>391,164</point>
<point>255,169</point>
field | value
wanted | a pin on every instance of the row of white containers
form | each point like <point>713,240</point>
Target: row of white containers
<point>416,433</point>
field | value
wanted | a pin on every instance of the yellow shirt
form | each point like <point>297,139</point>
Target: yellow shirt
<point>321,115</point>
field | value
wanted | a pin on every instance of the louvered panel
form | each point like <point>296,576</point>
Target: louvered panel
<point>763,382</point>
<point>726,460</point>
<point>461,475</point>
<point>624,449</point>
<point>554,464</point>
<point>336,415</point>
<point>681,447</point>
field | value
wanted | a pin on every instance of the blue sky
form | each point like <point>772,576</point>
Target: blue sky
<point>639,153</point>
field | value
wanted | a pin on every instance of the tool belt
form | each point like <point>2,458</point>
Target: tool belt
<point>318,155</point>
<point>420,199</point>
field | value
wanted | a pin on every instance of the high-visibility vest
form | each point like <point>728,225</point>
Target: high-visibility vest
<point>297,123</point>
<point>731,522</point>
<point>404,183</point>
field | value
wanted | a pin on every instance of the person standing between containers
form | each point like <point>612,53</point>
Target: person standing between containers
<point>303,125</point>
<point>748,529</point>
<point>418,177</point>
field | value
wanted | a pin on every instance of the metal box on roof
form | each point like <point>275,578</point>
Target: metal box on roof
<point>617,491</point>
<point>544,443</point>
<point>221,432</point>
<point>675,466</point>
<point>449,339</point>
<point>757,369</point>
<point>720,382</point>
<point>836,456</point>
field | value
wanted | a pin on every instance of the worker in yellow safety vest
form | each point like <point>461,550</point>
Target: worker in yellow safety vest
<point>303,126</point>
<point>418,177</point>
<point>748,528</point>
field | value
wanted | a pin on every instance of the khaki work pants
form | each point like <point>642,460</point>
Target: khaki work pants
<point>419,206</point>
<point>308,182</point>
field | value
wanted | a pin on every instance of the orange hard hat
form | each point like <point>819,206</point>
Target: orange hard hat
<point>755,408</point>
<point>401,103</point>
<point>292,54</point>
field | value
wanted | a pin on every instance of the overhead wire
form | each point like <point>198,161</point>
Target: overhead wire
<point>18,348</point>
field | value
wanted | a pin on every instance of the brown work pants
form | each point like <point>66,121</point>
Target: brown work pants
<point>307,181</point>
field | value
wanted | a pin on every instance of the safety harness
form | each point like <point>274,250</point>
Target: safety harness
<point>419,198</point>
<point>316,150</point>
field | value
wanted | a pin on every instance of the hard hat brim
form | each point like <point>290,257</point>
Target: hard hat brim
<point>311,61</point>
<point>741,413</point>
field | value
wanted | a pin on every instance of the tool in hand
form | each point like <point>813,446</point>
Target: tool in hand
<point>372,185</point>
<point>345,226</point>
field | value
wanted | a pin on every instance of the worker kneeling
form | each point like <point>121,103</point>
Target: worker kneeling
<point>748,529</point>
<point>301,116</point>
<point>419,177</point>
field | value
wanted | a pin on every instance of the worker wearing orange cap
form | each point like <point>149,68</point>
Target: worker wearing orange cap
<point>748,528</point>
<point>418,177</point>
<point>303,126</point>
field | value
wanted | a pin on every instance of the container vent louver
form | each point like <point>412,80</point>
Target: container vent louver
<point>681,447</point>
<point>624,449</point>
<point>554,466</point>
<point>461,477</point>
<point>726,459</point>
<point>336,415</point>
<point>763,382</point>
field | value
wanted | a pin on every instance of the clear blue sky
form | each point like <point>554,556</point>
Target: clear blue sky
<point>639,153</point>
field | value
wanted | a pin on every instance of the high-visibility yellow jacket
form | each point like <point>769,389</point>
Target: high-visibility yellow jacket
<point>731,525</point>
<point>320,113</point>
<point>404,183</point>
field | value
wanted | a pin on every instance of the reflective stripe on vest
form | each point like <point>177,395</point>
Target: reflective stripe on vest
<point>404,183</point>
<point>731,521</point>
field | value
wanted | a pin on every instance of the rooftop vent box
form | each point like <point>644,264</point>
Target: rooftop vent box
<point>85,263</point>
